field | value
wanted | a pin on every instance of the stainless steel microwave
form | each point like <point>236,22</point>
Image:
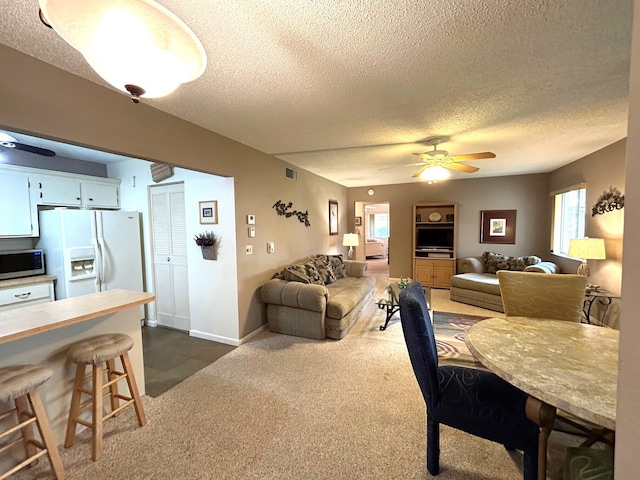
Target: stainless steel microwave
<point>21,263</point>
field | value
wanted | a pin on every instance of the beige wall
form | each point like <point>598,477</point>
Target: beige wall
<point>528,194</point>
<point>600,171</point>
<point>628,413</point>
<point>40,99</point>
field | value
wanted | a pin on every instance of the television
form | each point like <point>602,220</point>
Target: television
<point>434,238</point>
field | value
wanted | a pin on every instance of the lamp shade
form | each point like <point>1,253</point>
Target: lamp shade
<point>350,240</point>
<point>129,43</point>
<point>587,248</point>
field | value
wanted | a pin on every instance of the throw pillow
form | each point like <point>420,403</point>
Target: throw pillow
<point>302,272</point>
<point>321,262</point>
<point>338,265</point>
<point>494,262</point>
<point>497,261</point>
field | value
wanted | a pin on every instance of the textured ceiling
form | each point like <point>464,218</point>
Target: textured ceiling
<point>332,85</point>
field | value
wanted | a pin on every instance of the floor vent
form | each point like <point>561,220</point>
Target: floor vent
<point>290,173</point>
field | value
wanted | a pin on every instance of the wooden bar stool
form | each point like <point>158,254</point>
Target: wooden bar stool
<point>18,384</point>
<point>99,351</point>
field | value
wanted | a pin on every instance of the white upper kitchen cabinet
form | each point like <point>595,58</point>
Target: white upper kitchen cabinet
<point>69,190</point>
<point>15,206</point>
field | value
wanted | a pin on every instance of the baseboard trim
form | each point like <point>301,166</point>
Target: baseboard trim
<point>226,340</point>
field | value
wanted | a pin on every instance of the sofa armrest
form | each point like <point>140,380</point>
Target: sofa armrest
<point>355,268</point>
<point>471,265</point>
<point>295,294</point>
<point>543,267</point>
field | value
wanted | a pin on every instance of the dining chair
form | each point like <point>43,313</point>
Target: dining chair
<point>542,295</point>
<point>474,401</point>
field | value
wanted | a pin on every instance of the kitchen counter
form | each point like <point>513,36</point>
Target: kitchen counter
<point>27,321</point>
<point>16,282</point>
<point>42,334</point>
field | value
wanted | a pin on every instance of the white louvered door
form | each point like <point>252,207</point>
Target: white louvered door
<point>170,255</point>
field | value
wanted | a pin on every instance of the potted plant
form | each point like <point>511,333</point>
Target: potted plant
<point>208,243</point>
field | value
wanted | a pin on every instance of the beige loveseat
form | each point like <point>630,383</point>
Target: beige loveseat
<point>320,297</point>
<point>477,283</point>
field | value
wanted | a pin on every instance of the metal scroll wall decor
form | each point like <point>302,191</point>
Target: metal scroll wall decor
<point>284,209</point>
<point>608,202</point>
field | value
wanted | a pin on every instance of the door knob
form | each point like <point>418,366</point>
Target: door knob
<point>168,259</point>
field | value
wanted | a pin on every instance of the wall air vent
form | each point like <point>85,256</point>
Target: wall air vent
<point>290,173</point>
<point>160,172</point>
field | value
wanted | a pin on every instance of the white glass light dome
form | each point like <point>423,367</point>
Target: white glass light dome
<point>138,46</point>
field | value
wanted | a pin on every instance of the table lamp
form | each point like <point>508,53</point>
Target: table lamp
<point>350,240</point>
<point>586,249</point>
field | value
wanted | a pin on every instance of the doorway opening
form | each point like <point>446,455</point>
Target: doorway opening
<point>376,232</point>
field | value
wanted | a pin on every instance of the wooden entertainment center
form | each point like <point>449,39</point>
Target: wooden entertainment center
<point>434,243</point>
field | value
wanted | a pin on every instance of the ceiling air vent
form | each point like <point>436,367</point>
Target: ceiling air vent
<point>290,173</point>
<point>160,171</point>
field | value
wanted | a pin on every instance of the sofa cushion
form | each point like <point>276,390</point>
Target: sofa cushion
<point>302,272</point>
<point>497,261</point>
<point>346,293</point>
<point>480,282</point>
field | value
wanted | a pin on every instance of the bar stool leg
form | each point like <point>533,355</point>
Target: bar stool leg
<point>23,413</point>
<point>46,434</point>
<point>97,419</point>
<point>74,410</point>
<point>113,388</point>
<point>133,389</point>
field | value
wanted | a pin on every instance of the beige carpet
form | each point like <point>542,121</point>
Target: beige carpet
<point>282,407</point>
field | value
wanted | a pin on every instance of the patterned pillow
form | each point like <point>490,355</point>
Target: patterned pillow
<point>338,265</point>
<point>322,264</point>
<point>496,261</point>
<point>302,272</point>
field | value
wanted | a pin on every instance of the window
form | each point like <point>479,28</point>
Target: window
<point>568,218</point>
<point>378,225</point>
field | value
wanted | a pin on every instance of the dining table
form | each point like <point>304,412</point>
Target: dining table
<point>568,366</point>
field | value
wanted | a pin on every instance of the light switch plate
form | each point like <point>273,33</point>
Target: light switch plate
<point>271,247</point>
<point>249,249</point>
<point>252,232</point>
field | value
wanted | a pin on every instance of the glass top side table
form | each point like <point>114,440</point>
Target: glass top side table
<point>391,303</point>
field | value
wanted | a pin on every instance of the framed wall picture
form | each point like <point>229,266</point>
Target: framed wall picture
<point>358,221</point>
<point>498,226</point>
<point>333,217</point>
<point>208,211</point>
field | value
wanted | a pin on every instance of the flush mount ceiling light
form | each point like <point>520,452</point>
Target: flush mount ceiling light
<point>137,46</point>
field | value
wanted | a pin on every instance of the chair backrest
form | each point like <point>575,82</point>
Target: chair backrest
<point>421,343</point>
<point>542,295</point>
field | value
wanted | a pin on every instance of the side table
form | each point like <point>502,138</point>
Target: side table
<point>603,297</point>
<point>392,305</point>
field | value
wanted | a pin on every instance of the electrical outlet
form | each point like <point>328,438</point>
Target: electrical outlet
<point>271,247</point>
<point>249,249</point>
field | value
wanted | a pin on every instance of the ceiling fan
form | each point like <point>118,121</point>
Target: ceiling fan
<point>441,158</point>
<point>8,141</point>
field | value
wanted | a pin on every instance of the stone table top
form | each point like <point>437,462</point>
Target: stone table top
<point>572,366</point>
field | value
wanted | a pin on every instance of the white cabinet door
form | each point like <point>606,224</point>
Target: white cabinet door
<point>15,221</point>
<point>100,195</point>
<point>53,190</point>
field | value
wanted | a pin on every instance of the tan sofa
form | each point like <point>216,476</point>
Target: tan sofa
<point>477,284</point>
<point>318,298</point>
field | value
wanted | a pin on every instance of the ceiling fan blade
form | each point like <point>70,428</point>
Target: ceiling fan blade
<point>405,165</point>
<point>460,167</point>
<point>473,156</point>
<point>36,150</point>
<point>419,172</point>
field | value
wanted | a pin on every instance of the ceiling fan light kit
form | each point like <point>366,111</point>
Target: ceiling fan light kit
<point>137,46</point>
<point>436,161</point>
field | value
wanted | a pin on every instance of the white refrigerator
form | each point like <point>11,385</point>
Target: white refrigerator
<point>91,250</point>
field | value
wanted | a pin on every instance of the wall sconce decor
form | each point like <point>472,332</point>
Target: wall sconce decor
<point>608,202</point>
<point>283,209</point>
